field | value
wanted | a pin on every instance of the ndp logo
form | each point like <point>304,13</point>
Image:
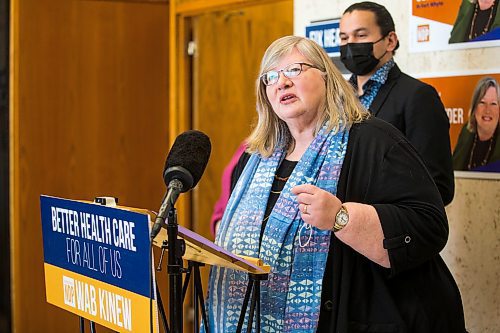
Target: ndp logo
<point>423,33</point>
<point>69,291</point>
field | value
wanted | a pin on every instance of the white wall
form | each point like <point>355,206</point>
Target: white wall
<point>473,250</point>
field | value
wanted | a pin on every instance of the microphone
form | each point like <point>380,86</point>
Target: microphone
<point>184,167</point>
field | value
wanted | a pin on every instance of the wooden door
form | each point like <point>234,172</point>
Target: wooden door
<point>228,48</point>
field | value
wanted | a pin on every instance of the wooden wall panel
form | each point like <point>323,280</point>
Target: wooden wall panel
<point>90,118</point>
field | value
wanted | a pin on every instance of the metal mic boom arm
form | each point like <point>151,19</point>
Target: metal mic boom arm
<point>174,189</point>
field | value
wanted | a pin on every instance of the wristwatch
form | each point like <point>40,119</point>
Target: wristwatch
<point>341,219</point>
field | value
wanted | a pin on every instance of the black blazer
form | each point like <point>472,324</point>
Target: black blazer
<point>415,109</point>
<point>418,293</point>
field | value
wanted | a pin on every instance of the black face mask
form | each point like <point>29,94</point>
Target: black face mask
<point>358,57</point>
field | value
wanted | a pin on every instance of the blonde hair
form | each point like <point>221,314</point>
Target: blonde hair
<point>482,86</point>
<point>341,107</point>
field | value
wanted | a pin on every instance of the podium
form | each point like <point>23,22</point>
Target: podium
<point>199,250</point>
<point>98,264</point>
<point>202,250</point>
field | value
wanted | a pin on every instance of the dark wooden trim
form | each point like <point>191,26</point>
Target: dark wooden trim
<point>143,1</point>
<point>5,283</point>
<point>194,7</point>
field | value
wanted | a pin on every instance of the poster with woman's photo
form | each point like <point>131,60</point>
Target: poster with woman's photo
<point>472,104</point>
<point>453,24</point>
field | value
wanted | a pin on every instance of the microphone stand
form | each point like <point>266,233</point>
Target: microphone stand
<point>176,249</point>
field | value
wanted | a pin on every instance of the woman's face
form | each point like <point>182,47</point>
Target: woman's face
<point>298,100</point>
<point>487,112</point>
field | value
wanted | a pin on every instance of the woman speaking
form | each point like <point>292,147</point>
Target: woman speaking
<point>340,206</point>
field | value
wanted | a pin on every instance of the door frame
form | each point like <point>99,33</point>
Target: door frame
<point>180,13</point>
<point>180,87</point>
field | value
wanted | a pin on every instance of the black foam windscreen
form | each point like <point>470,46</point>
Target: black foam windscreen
<point>191,151</point>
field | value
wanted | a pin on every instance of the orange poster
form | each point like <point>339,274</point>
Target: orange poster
<point>453,24</point>
<point>457,92</point>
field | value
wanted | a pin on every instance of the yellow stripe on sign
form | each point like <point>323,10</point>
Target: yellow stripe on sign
<point>102,303</point>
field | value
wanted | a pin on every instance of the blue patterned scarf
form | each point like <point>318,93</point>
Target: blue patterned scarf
<point>290,298</point>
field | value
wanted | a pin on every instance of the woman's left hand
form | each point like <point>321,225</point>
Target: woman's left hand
<point>317,207</point>
<point>363,233</point>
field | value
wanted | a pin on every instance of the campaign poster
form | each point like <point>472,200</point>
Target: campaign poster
<point>98,263</point>
<point>453,24</point>
<point>326,33</point>
<point>456,92</point>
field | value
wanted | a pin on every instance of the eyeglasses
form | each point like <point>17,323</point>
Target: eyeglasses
<point>290,71</point>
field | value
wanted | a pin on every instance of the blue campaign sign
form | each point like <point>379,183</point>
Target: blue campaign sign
<point>107,244</point>
<point>326,34</point>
